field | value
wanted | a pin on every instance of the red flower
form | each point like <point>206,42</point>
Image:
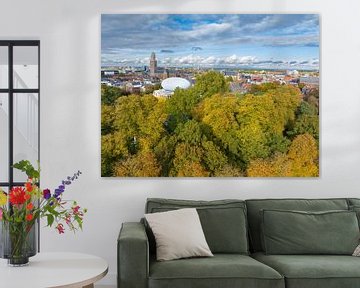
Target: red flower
<point>68,219</point>
<point>29,217</point>
<point>27,196</point>
<point>29,186</point>
<point>17,196</point>
<point>60,228</point>
<point>75,209</point>
<point>29,206</point>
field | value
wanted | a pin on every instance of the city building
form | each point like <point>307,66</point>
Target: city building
<point>153,65</point>
<point>310,80</point>
<point>133,87</point>
<point>170,84</point>
<point>155,71</point>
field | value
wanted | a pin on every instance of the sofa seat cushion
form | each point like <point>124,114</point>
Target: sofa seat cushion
<point>222,270</point>
<point>313,271</point>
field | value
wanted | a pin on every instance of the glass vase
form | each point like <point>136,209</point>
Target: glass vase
<point>18,242</point>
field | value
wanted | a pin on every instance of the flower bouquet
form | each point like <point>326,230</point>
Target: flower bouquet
<point>21,208</point>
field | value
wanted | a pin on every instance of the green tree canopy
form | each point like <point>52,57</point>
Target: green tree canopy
<point>210,83</point>
<point>109,94</point>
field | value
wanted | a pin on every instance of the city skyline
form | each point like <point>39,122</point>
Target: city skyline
<point>269,41</point>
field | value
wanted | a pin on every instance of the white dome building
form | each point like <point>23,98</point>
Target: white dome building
<point>170,84</point>
<point>175,82</point>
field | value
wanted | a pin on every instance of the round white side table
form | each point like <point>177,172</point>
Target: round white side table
<point>54,270</point>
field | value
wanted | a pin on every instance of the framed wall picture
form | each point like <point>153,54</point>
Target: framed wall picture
<point>210,95</point>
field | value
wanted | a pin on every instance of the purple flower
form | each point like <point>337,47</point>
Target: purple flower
<point>46,194</point>
<point>64,183</point>
<point>58,192</point>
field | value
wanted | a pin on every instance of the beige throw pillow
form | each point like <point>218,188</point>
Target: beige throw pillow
<point>357,251</point>
<point>178,234</point>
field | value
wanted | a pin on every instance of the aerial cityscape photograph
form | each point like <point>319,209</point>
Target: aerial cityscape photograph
<point>210,95</point>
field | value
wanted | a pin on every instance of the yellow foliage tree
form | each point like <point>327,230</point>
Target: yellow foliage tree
<point>303,154</point>
<point>300,161</point>
<point>140,118</point>
<point>192,169</point>
<point>139,165</point>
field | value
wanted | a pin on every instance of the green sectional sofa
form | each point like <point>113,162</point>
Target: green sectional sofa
<point>238,234</point>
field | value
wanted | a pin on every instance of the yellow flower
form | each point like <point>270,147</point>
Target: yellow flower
<point>3,198</point>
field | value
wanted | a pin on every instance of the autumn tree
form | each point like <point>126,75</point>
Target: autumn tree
<point>143,164</point>
<point>219,114</point>
<point>190,152</point>
<point>250,127</point>
<point>276,166</point>
<point>114,146</point>
<point>165,152</point>
<point>107,119</point>
<point>307,121</point>
<point>305,124</point>
<point>300,161</point>
<point>140,119</point>
<point>137,126</point>
<point>256,89</point>
<point>312,98</point>
<point>304,156</point>
<point>207,131</point>
<point>180,106</point>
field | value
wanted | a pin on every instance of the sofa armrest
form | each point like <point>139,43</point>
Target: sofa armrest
<point>133,256</point>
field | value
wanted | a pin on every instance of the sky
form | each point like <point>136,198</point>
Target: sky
<point>275,41</point>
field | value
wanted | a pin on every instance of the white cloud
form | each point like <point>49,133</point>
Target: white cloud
<point>230,60</point>
<point>315,62</point>
<point>209,60</point>
<point>207,30</point>
<point>234,59</point>
<point>265,23</point>
<point>247,59</point>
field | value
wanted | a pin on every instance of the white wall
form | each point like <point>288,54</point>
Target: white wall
<point>70,111</point>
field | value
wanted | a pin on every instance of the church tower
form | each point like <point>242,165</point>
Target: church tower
<point>153,64</point>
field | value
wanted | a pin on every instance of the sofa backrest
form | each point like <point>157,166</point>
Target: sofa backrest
<point>353,202</point>
<point>256,205</point>
<point>223,221</point>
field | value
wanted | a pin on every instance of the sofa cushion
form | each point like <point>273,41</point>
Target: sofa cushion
<point>178,234</point>
<point>297,232</point>
<point>223,221</point>
<point>254,206</point>
<point>222,270</point>
<point>313,271</point>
